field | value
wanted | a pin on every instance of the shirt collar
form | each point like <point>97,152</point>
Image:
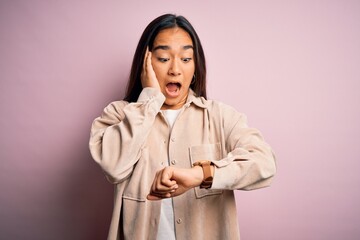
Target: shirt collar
<point>192,98</point>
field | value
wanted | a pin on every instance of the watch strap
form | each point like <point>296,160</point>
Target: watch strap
<point>208,176</point>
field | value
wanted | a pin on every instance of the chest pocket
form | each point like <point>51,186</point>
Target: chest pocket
<point>211,152</point>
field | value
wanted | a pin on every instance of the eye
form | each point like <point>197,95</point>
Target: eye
<point>163,59</point>
<point>186,59</point>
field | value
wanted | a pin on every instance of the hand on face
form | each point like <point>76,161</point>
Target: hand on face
<point>170,66</point>
<point>148,76</point>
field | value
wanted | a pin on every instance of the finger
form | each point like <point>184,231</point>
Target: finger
<point>149,68</point>
<point>159,188</point>
<point>166,178</point>
<point>146,57</point>
<point>162,194</point>
<point>154,197</point>
<point>156,187</point>
<point>148,60</point>
<point>143,73</point>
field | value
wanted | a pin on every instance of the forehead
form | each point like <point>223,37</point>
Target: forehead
<point>173,37</point>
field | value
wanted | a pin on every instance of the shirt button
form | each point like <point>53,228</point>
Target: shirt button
<point>173,162</point>
<point>173,139</point>
<point>179,220</point>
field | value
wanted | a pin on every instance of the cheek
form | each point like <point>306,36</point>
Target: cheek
<point>190,68</point>
<point>158,69</point>
<point>190,72</point>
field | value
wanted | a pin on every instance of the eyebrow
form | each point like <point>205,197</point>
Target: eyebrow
<point>165,47</point>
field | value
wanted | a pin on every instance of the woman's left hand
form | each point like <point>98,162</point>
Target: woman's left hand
<point>172,182</point>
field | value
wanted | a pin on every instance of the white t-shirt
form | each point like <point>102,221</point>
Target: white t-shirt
<point>166,229</point>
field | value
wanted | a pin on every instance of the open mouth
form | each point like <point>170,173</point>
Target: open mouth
<point>173,89</point>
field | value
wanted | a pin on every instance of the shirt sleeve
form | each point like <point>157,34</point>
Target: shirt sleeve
<point>250,162</point>
<point>118,135</point>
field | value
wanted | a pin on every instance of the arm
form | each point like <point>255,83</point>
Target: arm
<point>250,162</point>
<point>118,135</point>
<point>172,182</point>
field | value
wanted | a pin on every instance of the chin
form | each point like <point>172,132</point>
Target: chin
<point>171,104</point>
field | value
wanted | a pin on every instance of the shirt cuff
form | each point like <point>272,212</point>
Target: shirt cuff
<point>220,177</point>
<point>151,94</point>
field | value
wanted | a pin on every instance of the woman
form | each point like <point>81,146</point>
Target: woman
<point>165,141</point>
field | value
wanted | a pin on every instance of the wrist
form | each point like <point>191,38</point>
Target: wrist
<point>208,173</point>
<point>198,175</point>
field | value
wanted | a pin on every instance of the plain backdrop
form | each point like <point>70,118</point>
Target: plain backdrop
<point>291,66</point>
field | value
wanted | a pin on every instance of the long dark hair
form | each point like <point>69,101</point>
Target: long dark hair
<point>165,21</point>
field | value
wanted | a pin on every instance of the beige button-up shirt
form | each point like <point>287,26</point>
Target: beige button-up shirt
<point>131,141</point>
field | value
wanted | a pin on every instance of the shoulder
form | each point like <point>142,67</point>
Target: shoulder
<point>223,112</point>
<point>117,105</point>
<point>220,107</point>
<point>115,109</point>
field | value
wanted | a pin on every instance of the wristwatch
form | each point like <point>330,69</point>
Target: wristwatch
<point>208,177</point>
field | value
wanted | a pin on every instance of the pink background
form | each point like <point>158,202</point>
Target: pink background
<point>291,66</point>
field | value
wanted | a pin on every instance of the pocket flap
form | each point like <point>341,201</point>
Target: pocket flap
<point>210,152</point>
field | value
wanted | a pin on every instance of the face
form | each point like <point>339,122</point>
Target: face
<point>173,63</point>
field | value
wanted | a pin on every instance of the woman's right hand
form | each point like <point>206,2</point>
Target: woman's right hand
<point>172,182</point>
<point>148,76</point>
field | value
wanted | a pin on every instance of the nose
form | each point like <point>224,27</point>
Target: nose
<point>174,69</point>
